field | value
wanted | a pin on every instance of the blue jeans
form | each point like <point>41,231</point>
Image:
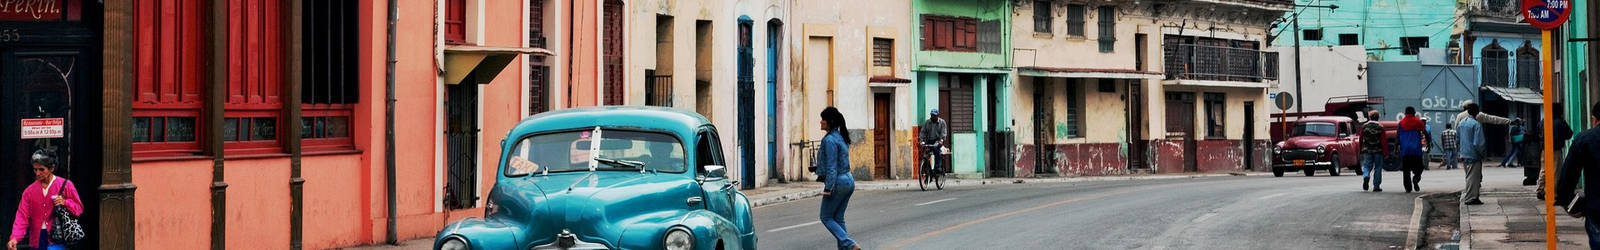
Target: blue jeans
<point>1450,159</point>
<point>1511,157</point>
<point>832,215</point>
<point>44,240</point>
<point>1591,226</point>
<point>1372,167</point>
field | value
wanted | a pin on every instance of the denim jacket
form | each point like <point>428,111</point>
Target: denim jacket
<point>833,161</point>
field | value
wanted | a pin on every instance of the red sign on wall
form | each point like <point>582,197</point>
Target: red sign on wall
<point>31,10</point>
<point>43,128</point>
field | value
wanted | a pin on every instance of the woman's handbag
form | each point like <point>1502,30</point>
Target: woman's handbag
<point>65,229</point>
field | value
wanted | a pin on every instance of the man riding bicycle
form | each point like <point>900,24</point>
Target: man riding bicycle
<point>932,136</point>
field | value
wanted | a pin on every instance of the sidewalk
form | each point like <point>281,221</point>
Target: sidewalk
<point>1512,218</point>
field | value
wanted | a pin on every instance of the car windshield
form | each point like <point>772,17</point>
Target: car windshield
<point>1314,129</point>
<point>618,150</point>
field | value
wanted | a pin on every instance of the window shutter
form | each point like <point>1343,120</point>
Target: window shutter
<point>927,31</point>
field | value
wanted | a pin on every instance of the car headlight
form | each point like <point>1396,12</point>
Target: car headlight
<point>1321,149</point>
<point>678,239</point>
<point>454,242</point>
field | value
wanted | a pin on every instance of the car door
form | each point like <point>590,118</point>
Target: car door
<point>1349,148</point>
<point>718,189</point>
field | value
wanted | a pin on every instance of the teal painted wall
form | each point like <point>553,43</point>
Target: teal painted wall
<point>968,150</point>
<point>1378,24</point>
<point>1576,60</point>
<point>983,10</point>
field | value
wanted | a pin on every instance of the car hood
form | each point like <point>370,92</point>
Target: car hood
<point>596,205</point>
<point>1305,142</point>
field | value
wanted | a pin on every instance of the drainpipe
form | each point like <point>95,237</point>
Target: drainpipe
<point>388,126</point>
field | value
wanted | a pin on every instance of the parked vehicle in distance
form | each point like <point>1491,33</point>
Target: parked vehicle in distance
<point>1318,143</point>
<point>609,178</point>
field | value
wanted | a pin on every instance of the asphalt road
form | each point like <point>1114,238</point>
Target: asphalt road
<point>1291,212</point>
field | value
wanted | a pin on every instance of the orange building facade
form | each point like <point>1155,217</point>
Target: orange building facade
<point>275,126</point>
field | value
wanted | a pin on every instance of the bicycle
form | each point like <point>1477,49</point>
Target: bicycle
<point>931,172</point>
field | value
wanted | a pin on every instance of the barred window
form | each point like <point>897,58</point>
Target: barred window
<point>1108,29</point>
<point>1075,13</point>
<point>330,88</point>
<point>1041,16</point>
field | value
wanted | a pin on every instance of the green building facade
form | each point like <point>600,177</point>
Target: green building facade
<point>1387,28</point>
<point>961,66</point>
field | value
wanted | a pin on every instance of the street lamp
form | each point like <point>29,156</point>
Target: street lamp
<point>1299,105</point>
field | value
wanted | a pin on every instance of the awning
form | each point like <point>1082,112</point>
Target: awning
<point>1086,73</point>
<point>1521,95</point>
<point>888,81</point>
<point>484,62</point>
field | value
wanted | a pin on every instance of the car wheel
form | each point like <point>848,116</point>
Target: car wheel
<point>1334,171</point>
<point>1310,172</point>
<point>1277,172</point>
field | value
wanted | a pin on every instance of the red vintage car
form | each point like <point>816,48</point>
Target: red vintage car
<point>1318,143</point>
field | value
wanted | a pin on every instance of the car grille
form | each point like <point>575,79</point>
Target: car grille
<point>1298,154</point>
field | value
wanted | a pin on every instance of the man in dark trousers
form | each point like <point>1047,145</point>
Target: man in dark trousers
<point>1583,156</point>
<point>1410,141</point>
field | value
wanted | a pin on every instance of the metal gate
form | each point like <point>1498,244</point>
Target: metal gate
<point>1043,127</point>
<point>461,151</point>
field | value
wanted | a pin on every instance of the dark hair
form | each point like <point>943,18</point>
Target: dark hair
<point>44,158</point>
<point>1595,110</point>
<point>1472,109</point>
<point>836,122</point>
<point>1411,111</point>
<point>1446,125</point>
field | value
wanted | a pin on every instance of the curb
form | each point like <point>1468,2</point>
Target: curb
<point>1465,227</point>
<point>1419,218</point>
<point>809,193</point>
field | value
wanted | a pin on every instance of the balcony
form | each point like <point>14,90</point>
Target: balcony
<point>1495,8</point>
<point>1225,65</point>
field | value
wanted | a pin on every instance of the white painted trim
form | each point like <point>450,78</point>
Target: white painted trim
<point>522,100</point>
<point>477,23</point>
<point>599,54</point>
<point>557,94</point>
<point>477,148</point>
<point>438,112</point>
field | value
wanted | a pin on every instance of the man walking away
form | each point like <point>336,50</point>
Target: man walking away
<point>1447,141</point>
<point>1410,140</point>
<point>1471,155</point>
<point>1563,134</point>
<point>1582,157</point>
<point>1372,149</point>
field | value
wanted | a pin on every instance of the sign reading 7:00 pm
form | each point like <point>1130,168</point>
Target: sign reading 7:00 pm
<point>1546,14</point>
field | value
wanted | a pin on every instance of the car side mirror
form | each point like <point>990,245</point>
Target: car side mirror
<point>716,171</point>
<point>1344,135</point>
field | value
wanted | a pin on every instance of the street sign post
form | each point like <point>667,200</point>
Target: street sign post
<point>1547,15</point>
<point>1284,100</point>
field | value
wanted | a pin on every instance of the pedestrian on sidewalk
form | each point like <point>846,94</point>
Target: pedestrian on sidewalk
<point>833,161</point>
<point>1410,141</point>
<point>1447,141</point>
<point>1514,144</point>
<point>1582,157</point>
<point>1372,150</point>
<point>1563,134</point>
<point>1472,152</point>
<point>34,216</point>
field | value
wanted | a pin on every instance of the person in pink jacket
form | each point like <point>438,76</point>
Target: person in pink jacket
<point>39,200</point>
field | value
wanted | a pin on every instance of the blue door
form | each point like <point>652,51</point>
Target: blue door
<point>774,37</point>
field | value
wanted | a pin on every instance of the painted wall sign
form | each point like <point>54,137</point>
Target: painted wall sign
<point>1546,14</point>
<point>30,10</point>
<point>42,128</point>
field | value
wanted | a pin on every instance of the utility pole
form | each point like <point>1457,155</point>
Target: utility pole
<point>1294,21</point>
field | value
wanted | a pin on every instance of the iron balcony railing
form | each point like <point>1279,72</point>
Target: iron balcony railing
<point>1495,8</point>
<point>658,89</point>
<point>1219,63</point>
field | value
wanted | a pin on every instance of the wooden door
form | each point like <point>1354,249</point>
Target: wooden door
<point>1136,126</point>
<point>1043,127</point>
<point>1250,136</point>
<point>880,135</point>
<point>1180,126</point>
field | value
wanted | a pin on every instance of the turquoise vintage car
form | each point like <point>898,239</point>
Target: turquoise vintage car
<point>609,178</point>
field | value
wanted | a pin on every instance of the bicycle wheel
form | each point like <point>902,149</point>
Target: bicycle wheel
<point>922,178</point>
<point>939,181</point>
